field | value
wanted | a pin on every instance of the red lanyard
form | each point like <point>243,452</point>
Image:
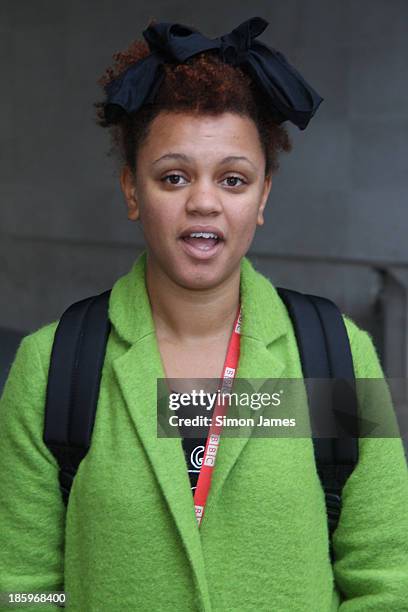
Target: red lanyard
<point>214,434</point>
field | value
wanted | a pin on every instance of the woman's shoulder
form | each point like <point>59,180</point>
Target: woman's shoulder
<point>43,335</point>
<point>366,358</point>
<point>22,396</point>
<point>38,342</point>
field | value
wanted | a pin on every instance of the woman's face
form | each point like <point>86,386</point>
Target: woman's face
<point>198,173</point>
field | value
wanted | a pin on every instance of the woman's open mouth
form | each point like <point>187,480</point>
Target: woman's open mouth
<point>202,245</point>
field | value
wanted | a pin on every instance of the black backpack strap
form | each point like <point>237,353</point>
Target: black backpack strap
<point>74,377</point>
<point>325,353</point>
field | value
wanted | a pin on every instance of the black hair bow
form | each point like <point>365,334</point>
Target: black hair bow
<point>289,96</point>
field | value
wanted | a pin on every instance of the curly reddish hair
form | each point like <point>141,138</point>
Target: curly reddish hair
<point>204,84</point>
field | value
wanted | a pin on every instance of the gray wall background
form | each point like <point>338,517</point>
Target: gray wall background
<point>336,222</point>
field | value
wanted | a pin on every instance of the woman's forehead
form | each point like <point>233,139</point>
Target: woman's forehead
<point>202,121</point>
<point>185,133</point>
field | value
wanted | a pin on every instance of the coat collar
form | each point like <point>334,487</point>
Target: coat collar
<point>264,321</point>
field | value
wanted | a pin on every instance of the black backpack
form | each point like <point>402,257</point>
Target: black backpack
<point>75,371</point>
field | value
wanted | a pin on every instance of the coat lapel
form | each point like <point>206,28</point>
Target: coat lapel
<point>137,369</point>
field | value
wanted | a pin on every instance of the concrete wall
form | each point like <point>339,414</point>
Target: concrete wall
<point>337,217</point>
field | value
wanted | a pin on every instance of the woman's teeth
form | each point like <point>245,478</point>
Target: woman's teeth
<point>203,235</point>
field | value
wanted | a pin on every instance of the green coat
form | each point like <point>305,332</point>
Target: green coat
<point>131,537</point>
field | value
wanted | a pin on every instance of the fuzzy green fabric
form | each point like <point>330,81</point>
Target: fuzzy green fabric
<point>129,538</point>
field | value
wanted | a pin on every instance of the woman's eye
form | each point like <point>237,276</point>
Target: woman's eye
<point>172,176</point>
<point>235,178</point>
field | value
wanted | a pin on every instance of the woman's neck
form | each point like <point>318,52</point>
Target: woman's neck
<point>184,315</point>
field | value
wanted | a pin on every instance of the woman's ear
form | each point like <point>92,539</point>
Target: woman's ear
<point>264,198</point>
<point>128,184</point>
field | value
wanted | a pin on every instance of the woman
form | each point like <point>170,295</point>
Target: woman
<point>200,137</point>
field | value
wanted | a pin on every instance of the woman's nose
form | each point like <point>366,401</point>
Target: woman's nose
<point>204,199</point>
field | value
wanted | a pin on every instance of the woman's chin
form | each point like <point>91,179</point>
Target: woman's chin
<point>200,277</point>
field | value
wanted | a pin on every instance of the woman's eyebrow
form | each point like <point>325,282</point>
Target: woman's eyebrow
<point>186,158</point>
